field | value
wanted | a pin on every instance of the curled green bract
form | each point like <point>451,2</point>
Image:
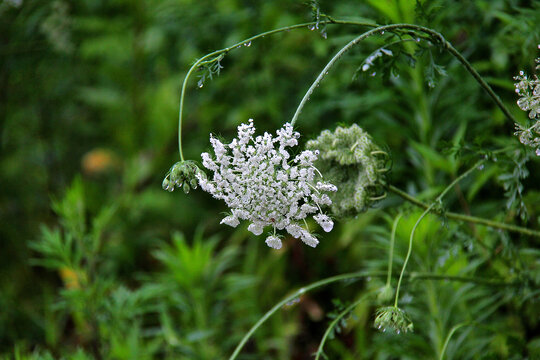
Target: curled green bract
<point>355,164</point>
<point>393,318</point>
<point>182,174</point>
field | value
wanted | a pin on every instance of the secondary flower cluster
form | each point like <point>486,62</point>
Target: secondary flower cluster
<point>261,183</point>
<point>351,160</point>
<point>183,175</point>
<point>393,318</point>
<point>528,90</point>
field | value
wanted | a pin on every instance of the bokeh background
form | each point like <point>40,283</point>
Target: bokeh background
<point>97,261</point>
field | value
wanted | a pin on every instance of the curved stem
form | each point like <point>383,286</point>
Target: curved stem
<point>437,200</point>
<point>409,252</point>
<point>467,218</point>
<point>381,29</point>
<point>447,340</point>
<point>445,44</point>
<point>203,60</point>
<point>357,275</point>
<point>335,321</point>
<point>279,305</point>
<point>391,255</point>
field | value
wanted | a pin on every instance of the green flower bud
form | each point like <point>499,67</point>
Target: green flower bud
<point>165,184</point>
<point>393,318</point>
<point>349,159</point>
<point>183,174</point>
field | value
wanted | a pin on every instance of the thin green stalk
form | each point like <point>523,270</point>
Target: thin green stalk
<point>357,275</point>
<point>202,61</point>
<point>381,29</point>
<point>409,252</point>
<point>443,42</point>
<point>391,254</point>
<point>452,331</point>
<point>294,295</point>
<point>335,321</point>
<point>437,200</point>
<point>467,218</point>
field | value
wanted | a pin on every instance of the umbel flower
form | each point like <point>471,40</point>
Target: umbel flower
<point>393,318</point>
<point>260,182</point>
<point>355,164</point>
<point>528,90</point>
<point>183,175</point>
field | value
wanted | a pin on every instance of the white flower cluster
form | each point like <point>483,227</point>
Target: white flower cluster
<point>259,183</point>
<point>528,90</point>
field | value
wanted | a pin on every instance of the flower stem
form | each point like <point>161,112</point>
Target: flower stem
<point>359,275</point>
<point>391,254</point>
<point>336,320</point>
<point>447,340</point>
<point>436,37</point>
<point>204,60</point>
<point>467,218</point>
<point>440,39</point>
<point>437,200</point>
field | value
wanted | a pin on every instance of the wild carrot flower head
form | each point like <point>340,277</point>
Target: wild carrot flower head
<point>262,183</point>
<point>351,160</point>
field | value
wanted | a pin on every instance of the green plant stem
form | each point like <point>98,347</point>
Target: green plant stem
<point>359,275</point>
<point>381,29</point>
<point>202,61</point>
<point>447,340</point>
<point>335,321</point>
<point>467,218</point>
<point>443,42</point>
<point>437,200</point>
<point>391,254</point>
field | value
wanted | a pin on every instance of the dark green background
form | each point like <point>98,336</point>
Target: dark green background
<point>89,90</point>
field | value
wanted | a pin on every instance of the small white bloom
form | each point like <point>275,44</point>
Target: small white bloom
<point>324,221</point>
<point>231,221</point>
<point>309,239</point>
<point>256,228</point>
<point>295,230</point>
<point>274,242</point>
<point>326,187</point>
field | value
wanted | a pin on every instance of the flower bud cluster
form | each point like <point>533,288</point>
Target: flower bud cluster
<point>183,175</point>
<point>528,90</point>
<point>529,136</point>
<point>262,183</point>
<point>350,159</point>
<point>393,318</point>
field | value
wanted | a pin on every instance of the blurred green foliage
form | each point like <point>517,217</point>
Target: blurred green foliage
<point>99,262</point>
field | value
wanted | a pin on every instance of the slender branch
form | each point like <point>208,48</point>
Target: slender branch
<point>203,60</point>
<point>409,252</point>
<point>359,275</point>
<point>381,29</point>
<point>392,241</point>
<point>335,321</point>
<point>447,340</point>
<point>428,209</point>
<point>377,29</point>
<point>467,218</point>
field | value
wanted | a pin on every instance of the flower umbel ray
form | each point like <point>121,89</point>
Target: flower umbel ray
<point>260,182</point>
